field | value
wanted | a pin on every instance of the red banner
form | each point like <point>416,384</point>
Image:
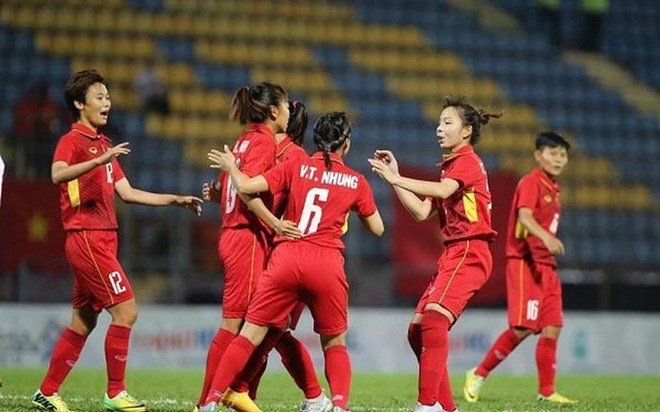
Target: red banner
<point>30,228</point>
<point>417,246</point>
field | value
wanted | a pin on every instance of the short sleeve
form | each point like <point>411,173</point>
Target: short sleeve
<point>526,193</point>
<point>465,170</point>
<point>117,170</point>
<point>259,157</point>
<point>279,177</point>
<point>65,151</point>
<point>365,204</point>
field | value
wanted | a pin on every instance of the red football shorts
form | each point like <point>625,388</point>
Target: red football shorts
<point>99,280</point>
<point>533,295</point>
<point>318,280</point>
<point>243,255</point>
<point>463,268</point>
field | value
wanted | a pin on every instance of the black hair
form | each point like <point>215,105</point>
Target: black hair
<point>252,103</point>
<point>298,120</point>
<point>330,132</point>
<point>470,115</point>
<point>551,140</point>
<point>76,89</point>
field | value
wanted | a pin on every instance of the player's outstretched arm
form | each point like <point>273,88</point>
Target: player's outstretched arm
<point>374,223</point>
<point>129,194</point>
<point>244,184</point>
<point>62,172</point>
<point>385,165</point>
<point>211,191</point>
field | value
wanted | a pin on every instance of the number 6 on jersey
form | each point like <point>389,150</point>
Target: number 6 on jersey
<point>312,212</point>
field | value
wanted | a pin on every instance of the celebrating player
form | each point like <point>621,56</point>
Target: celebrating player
<point>322,191</point>
<point>462,200</point>
<point>294,354</point>
<point>244,241</point>
<point>533,287</point>
<point>85,166</point>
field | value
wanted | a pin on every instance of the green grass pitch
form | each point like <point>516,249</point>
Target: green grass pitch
<point>170,391</point>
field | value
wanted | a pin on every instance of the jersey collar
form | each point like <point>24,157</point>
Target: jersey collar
<point>334,157</point>
<point>85,131</point>
<point>261,128</point>
<point>283,145</point>
<point>467,149</point>
<point>546,180</point>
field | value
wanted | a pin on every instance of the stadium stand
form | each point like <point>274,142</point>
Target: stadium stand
<point>388,63</point>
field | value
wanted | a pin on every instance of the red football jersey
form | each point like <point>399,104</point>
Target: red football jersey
<point>255,153</point>
<point>319,199</point>
<point>88,202</point>
<point>466,213</point>
<point>286,150</point>
<point>540,193</point>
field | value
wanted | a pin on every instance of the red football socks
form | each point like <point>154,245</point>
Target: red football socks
<point>432,362</point>
<point>219,345</point>
<point>250,376</point>
<point>233,362</point>
<point>338,373</point>
<point>298,362</point>
<point>502,347</point>
<point>444,393</point>
<point>116,356</point>
<point>546,358</point>
<point>65,354</point>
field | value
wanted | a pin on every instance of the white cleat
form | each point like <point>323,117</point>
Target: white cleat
<point>436,407</point>
<point>320,404</point>
<point>209,407</point>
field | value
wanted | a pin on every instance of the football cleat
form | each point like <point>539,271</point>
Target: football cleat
<point>436,407</point>
<point>49,403</point>
<point>209,407</point>
<point>123,402</point>
<point>321,404</point>
<point>240,401</point>
<point>473,385</point>
<point>557,398</point>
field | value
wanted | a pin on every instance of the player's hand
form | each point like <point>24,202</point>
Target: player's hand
<point>287,229</point>
<point>383,170</point>
<point>116,151</point>
<point>554,245</point>
<point>210,193</point>
<point>190,202</point>
<point>388,158</point>
<point>222,160</point>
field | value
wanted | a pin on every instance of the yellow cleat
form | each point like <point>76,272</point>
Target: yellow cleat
<point>473,385</point>
<point>49,403</point>
<point>123,402</point>
<point>557,398</point>
<point>196,408</point>
<point>239,401</point>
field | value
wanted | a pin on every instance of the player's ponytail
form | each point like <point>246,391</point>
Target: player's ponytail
<point>330,132</point>
<point>470,115</point>
<point>298,120</point>
<point>252,103</point>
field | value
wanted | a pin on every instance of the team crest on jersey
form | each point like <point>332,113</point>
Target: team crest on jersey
<point>547,198</point>
<point>93,150</point>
